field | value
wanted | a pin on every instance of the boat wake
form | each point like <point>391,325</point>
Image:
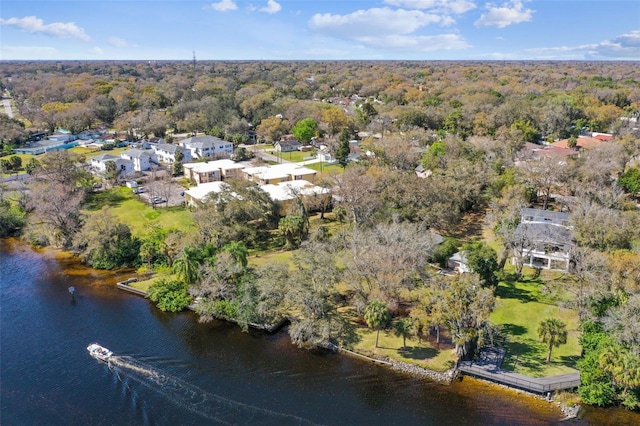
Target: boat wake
<point>205,404</point>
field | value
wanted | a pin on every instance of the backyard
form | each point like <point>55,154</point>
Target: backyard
<point>520,307</point>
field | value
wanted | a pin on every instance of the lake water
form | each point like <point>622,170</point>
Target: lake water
<point>172,370</point>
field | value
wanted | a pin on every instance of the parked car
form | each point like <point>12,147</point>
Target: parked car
<point>158,200</point>
<point>139,190</point>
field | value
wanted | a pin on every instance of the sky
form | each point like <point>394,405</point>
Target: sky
<point>320,30</point>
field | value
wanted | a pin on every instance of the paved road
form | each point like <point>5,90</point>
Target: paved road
<point>7,107</point>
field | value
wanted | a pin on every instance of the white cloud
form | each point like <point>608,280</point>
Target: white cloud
<point>376,22</point>
<point>117,42</point>
<point>625,46</point>
<point>28,52</point>
<point>96,51</point>
<point>36,25</point>
<point>271,7</point>
<point>453,6</point>
<point>222,5</point>
<point>417,43</point>
<point>512,12</point>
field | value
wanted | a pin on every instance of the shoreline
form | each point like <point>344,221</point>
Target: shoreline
<point>446,378</point>
<point>440,377</point>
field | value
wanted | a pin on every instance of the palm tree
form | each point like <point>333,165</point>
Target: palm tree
<point>623,366</point>
<point>403,328</point>
<point>238,251</point>
<point>552,332</point>
<point>187,265</point>
<point>377,315</point>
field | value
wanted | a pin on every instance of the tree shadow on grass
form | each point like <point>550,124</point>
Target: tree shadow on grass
<point>508,291</point>
<point>569,360</point>
<point>527,355</point>
<point>413,352</point>
<point>349,335</point>
<point>97,200</point>
<point>514,329</point>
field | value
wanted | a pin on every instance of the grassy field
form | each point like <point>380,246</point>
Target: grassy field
<point>423,353</point>
<point>293,156</point>
<point>93,152</point>
<point>328,170</point>
<point>124,205</point>
<point>520,308</point>
<point>259,260</point>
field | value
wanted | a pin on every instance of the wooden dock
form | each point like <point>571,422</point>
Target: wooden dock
<point>541,385</point>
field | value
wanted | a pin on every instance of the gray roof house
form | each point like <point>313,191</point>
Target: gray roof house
<point>142,159</point>
<point>287,146</point>
<point>166,152</point>
<point>207,146</point>
<point>458,262</point>
<point>99,164</point>
<point>547,239</point>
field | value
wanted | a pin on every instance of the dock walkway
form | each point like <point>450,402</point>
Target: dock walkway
<point>488,367</point>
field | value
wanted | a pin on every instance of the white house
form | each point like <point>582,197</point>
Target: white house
<point>198,194</point>
<point>546,237</point>
<point>142,159</point>
<point>124,166</point>
<point>458,263</point>
<point>206,146</point>
<point>212,170</point>
<point>278,173</point>
<point>287,146</point>
<point>166,152</point>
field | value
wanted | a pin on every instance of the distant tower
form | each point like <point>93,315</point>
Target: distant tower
<point>194,58</point>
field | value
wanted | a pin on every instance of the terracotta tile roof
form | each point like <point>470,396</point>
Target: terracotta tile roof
<point>583,142</point>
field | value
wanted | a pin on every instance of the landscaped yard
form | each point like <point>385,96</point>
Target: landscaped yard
<point>326,169</point>
<point>137,214</point>
<point>94,152</point>
<point>293,156</point>
<point>424,353</point>
<point>520,307</point>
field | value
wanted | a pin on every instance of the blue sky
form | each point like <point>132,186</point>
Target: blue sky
<point>319,29</point>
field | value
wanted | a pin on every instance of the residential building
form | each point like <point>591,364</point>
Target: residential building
<point>166,152</point>
<point>287,146</point>
<point>286,192</point>
<point>142,159</point>
<point>546,239</point>
<point>279,173</point>
<point>212,171</point>
<point>199,194</point>
<point>458,262</point>
<point>207,147</point>
<point>99,164</point>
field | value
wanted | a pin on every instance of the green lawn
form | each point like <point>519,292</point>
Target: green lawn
<point>324,169</point>
<point>93,152</point>
<point>421,353</point>
<point>293,156</point>
<point>258,260</point>
<point>137,214</point>
<point>520,307</point>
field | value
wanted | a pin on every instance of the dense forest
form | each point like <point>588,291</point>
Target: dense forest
<point>472,128</point>
<point>539,99</point>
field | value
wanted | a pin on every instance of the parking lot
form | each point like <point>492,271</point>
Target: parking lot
<point>161,193</point>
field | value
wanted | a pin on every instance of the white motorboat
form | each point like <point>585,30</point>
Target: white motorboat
<point>99,352</point>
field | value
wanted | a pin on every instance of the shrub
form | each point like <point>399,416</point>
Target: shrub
<point>169,295</point>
